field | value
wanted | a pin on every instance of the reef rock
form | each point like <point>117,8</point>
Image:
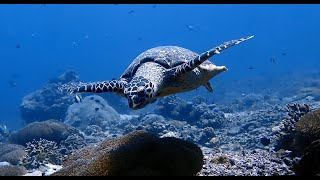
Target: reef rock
<point>309,164</point>
<point>198,112</point>
<point>93,110</point>
<point>48,102</point>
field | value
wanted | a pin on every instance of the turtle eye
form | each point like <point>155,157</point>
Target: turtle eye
<point>140,91</point>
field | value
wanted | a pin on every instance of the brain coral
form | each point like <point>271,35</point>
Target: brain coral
<point>138,153</point>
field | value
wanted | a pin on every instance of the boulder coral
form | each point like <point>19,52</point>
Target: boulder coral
<point>137,153</point>
<point>52,130</point>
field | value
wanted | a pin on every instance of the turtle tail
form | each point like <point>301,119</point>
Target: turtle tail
<point>94,87</point>
<point>190,65</point>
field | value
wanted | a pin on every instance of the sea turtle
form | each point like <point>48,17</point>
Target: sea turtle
<point>158,72</point>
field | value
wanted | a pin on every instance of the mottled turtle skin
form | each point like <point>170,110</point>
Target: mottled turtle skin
<point>158,72</point>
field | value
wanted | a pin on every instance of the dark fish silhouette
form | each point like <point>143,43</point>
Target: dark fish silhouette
<point>15,75</point>
<point>18,46</point>
<point>250,67</point>
<point>12,83</point>
<point>273,60</point>
<point>74,44</point>
<point>190,27</point>
<point>131,12</point>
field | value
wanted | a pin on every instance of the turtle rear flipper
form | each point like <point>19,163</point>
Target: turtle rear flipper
<point>208,87</point>
<point>94,87</point>
<point>191,65</point>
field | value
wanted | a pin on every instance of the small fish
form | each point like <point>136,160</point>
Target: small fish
<point>15,75</point>
<point>190,28</point>
<point>12,83</point>
<point>74,44</point>
<point>250,67</point>
<point>18,46</point>
<point>78,98</point>
<point>131,12</point>
<point>273,60</point>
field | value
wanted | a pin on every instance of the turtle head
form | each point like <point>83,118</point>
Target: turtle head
<point>139,92</point>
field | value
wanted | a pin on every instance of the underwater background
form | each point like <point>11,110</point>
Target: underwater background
<point>39,42</point>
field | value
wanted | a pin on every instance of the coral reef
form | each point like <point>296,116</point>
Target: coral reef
<point>11,153</point>
<point>119,103</point>
<point>307,129</point>
<point>309,164</point>
<point>41,152</point>
<point>310,124</point>
<point>50,129</point>
<point>198,112</point>
<point>285,132</point>
<point>11,170</point>
<point>66,77</point>
<point>255,162</point>
<point>68,138</point>
<point>74,141</point>
<point>93,110</point>
<point>48,102</point>
<point>157,124</point>
<point>138,153</point>
<point>310,91</point>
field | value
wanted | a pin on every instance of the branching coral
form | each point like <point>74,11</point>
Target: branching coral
<point>41,152</point>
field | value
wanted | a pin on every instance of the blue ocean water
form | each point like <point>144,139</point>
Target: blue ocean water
<point>39,42</point>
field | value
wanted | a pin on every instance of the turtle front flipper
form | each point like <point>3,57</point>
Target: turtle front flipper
<point>95,87</point>
<point>191,65</point>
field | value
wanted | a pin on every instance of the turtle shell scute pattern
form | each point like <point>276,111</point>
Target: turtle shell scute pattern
<point>166,56</point>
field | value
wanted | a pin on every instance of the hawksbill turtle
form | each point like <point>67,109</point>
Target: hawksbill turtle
<point>159,72</point>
